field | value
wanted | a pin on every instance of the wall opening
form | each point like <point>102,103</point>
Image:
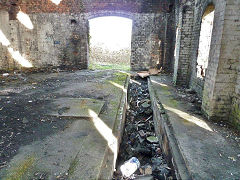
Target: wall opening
<point>13,10</point>
<point>110,43</point>
<point>205,41</point>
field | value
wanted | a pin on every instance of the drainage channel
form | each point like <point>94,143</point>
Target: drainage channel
<point>139,141</point>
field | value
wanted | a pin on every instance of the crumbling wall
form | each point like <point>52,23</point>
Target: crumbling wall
<point>60,31</point>
<point>85,6</point>
<point>55,40</point>
<point>4,30</point>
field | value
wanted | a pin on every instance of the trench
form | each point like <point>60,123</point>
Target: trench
<point>139,138</point>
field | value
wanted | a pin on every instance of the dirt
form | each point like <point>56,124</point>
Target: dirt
<point>24,100</point>
<point>139,126</point>
<point>22,122</point>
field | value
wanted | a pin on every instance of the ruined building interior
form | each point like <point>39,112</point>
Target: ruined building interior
<point>60,120</point>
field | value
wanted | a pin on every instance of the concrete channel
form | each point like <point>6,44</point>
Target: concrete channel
<point>139,128</point>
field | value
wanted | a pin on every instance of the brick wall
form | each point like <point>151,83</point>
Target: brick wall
<point>220,89</point>
<point>200,6</point>
<point>235,112</point>
<point>183,43</point>
<point>220,83</point>
<point>54,41</point>
<point>60,38</point>
<point>146,34</point>
<point>228,70</point>
<point>84,6</point>
<point>169,41</point>
<point>178,26</point>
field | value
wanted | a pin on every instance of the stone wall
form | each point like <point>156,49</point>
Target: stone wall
<point>55,40</point>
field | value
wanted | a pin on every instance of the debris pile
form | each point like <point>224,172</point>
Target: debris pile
<point>139,139</point>
<point>152,71</point>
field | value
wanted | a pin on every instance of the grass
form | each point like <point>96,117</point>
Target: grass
<point>107,66</point>
<point>73,166</point>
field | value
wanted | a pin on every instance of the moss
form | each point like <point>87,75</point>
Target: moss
<point>120,77</point>
<point>166,90</point>
<point>73,166</point>
<point>173,103</point>
<point>19,172</point>
<point>235,117</point>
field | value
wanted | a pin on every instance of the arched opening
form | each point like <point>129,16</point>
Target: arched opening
<point>110,43</point>
<point>205,41</point>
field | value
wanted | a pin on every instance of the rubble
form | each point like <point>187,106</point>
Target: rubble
<point>146,169</point>
<point>152,71</point>
<point>5,74</point>
<point>139,138</point>
<point>145,177</point>
<point>152,139</point>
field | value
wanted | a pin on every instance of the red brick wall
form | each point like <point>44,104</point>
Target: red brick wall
<point>78,6</point>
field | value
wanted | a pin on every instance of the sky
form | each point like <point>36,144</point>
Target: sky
<point>113,32</point>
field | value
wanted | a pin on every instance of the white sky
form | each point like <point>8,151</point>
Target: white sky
<point>113,32</point>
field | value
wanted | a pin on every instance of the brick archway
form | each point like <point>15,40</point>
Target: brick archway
<point>104,13</point>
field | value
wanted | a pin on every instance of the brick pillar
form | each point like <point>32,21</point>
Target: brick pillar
<point>183,44</point>
<point>168,58</point>
<point>145,41</point>
<point>221,74</point>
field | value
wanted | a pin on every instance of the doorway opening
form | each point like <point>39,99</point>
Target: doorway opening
<point>110,43</point>
<point>205,41</point>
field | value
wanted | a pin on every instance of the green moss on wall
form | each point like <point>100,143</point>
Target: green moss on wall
<point>235,116</point>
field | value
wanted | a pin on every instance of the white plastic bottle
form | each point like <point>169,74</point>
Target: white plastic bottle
<point>130,166</point>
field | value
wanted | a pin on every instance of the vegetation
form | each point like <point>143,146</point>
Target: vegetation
<point>106,66</point>
<point>103,58</point>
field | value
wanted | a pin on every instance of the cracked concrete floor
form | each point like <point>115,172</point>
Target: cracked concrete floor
<point>35,145</point>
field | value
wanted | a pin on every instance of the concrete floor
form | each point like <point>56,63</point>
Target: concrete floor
<point>43,135</point>
<point>200,149</point>
<point>39,141</point>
